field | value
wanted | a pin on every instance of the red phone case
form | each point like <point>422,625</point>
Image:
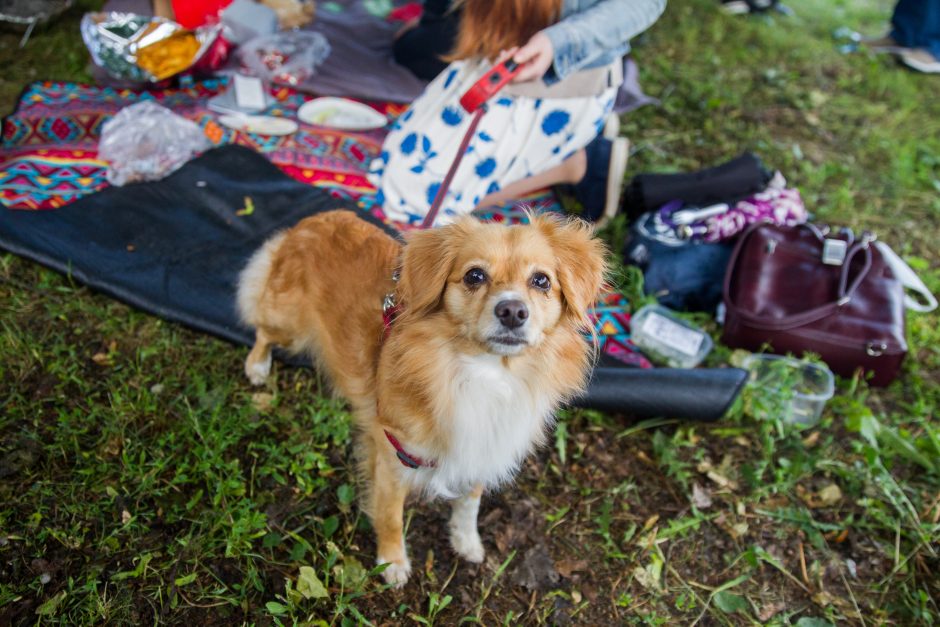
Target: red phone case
<point>489,84</point>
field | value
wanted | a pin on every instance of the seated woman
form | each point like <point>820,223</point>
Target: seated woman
<point>537,129</point>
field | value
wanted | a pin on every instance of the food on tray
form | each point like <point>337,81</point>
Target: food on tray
<point>169,56</point>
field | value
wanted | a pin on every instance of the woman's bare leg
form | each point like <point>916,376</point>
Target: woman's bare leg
<point>571,170</point>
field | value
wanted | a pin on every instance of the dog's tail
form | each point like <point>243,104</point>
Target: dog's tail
<point>254,278</point>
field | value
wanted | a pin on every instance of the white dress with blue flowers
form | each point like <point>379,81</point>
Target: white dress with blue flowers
<point>517,138</point>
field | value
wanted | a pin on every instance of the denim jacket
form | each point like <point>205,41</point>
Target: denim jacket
<point>594,33</point>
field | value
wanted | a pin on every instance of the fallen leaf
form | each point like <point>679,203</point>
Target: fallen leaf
<point>351,574</point>
<point>262,402</point>
<point>722,480</point>
<point>590,592</point>
<point>537,570</point>
<point>309,585</point>
<point>248,209</point>
<point>125,516</point>
<point>566,567</point>
<point>101,359</point>
<point>770,611</point>
<point>811,440</point>
<point>700,497</point>
<point>830,495</point>
<point>650,576</point>
<point>826,497</point>
<point>822,598</point>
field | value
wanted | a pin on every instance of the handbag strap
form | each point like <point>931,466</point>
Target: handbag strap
<point>846,291</point>
<point>926,301</point>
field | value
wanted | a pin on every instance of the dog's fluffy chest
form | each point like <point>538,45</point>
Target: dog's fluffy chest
<point>494,419</point>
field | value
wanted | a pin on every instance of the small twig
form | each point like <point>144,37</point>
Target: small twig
<point>803,565</point>
<point>453,571</point>
<point>858,611</point>
<point>190,603</point>
<point>897,547</point>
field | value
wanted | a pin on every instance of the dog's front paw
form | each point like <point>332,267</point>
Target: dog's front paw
<point>397,572</point>
<point>467,545</point>
<point>258,371</point>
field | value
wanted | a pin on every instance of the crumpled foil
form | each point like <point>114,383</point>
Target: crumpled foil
<point>115,41</point>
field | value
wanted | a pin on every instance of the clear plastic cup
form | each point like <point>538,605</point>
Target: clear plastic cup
<point>787,389</point>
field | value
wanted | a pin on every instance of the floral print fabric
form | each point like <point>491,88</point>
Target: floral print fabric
<point>516,138</point>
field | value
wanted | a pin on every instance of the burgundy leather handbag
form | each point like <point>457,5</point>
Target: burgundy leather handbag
<point>803,289</point>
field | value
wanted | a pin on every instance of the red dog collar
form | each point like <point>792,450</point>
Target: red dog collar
<point>404,457</point>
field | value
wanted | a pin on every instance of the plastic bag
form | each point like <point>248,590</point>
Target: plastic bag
<point>146,142</point>
<point>288,58</point>
<point>144,48</point>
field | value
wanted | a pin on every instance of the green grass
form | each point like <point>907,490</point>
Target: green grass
<point>143,481</point>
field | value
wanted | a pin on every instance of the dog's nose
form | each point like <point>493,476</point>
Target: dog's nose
<point>511,313</point>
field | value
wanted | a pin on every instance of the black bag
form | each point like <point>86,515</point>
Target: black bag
<point>739,178</point>
<point>682,274</point>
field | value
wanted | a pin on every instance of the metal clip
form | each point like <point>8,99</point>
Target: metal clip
<point>876,350</point>
<point>834,251</point>
<point>388,303</point>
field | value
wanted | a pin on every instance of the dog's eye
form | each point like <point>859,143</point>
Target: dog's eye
<point>540,281</point>
<point>474,277</point>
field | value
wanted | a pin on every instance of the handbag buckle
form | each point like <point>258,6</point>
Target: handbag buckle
<point>834,251</point>
<point>876,350</point>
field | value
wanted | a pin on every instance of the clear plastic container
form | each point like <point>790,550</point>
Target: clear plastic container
<point>667,339</point>
<point>787,389</point>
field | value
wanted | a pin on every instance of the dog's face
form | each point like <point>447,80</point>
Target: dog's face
<point>504,288</point>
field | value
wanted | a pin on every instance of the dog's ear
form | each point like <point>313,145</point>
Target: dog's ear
<point>582,262</point>
<point>426,263</point>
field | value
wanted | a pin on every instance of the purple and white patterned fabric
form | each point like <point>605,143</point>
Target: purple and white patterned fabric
<point>777,204</point>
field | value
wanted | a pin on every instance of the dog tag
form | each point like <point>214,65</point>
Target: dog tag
<point>834,251</point>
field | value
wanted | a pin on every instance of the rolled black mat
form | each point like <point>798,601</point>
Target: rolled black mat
<point>703,394</point>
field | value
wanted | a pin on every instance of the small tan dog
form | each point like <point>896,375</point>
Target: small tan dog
<point>450,397</point>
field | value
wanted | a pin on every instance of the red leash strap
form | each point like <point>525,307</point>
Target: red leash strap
<point>411,461</point>
<point>445,184</point>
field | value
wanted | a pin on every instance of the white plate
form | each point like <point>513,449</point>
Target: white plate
<point>341,113</point>
<point>259,124</point>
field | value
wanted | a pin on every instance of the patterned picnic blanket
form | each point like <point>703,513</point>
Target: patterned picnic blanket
<point>49,144</point>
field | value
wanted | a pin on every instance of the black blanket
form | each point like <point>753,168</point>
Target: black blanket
<point>172,247</point>
<point>175,248</point>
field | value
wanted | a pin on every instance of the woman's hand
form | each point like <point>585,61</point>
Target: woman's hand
<point>535,58</point>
